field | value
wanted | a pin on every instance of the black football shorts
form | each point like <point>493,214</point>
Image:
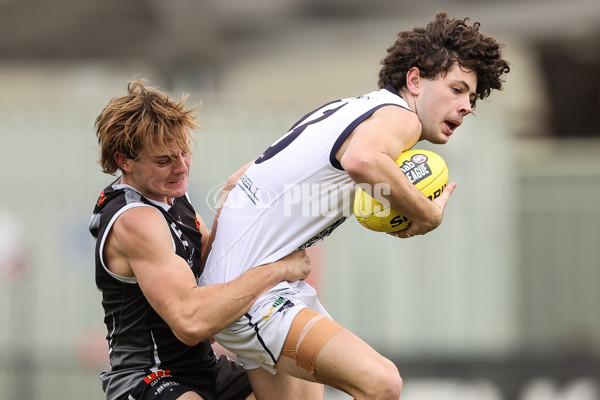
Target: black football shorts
<point>226,380</point>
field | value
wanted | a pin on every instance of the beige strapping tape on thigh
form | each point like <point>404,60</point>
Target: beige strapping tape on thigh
<point>308,334</point>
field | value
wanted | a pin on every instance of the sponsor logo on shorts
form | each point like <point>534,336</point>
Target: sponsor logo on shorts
<point>283,305</point>
<point>165,385</point>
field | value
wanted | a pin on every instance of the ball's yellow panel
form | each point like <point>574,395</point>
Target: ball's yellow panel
<point>424,168</point>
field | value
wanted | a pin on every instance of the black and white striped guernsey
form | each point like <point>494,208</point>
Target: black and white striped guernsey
<point>140,342</point>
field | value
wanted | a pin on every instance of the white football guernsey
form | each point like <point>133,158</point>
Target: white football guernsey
<point>295,194</point>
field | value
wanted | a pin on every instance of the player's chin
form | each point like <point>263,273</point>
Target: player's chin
<point>178,191</point>
<point>440,139</point>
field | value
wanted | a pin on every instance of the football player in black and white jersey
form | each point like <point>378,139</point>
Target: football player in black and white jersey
<point>301,188</point>
<point>150,246</point>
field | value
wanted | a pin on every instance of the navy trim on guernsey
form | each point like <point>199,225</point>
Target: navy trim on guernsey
<point>326,111</point>
<point>140,341</point>
<point>344,135</point>
<point>296,130</point>
<point>392,89</point>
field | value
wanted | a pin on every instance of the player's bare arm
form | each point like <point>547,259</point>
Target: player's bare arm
<point>369,158</point>
<point>205,238</point>
<point>140,245</point>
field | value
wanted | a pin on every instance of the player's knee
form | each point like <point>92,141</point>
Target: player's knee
<point>386,383</point>
<point>392,386</point>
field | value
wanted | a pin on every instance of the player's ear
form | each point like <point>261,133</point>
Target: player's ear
<point>122,161</point>
<point>413,79</point>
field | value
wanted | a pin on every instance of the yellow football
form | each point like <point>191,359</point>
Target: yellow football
<point>425,169</point>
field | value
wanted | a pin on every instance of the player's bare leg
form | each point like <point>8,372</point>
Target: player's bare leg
<point>317,348</point>
<point>190,396</point>
<point>281,386</point>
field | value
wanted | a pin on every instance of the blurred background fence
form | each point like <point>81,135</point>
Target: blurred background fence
<point>499,303</point>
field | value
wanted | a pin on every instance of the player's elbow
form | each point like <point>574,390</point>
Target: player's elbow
<point>191,334</point>
<point>188,340</point>
<point>357,165</point>
<point>192,327</point>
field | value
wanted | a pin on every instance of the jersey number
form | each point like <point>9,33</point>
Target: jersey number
<point>296,131</point>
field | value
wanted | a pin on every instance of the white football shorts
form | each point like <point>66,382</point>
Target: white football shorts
<point>258,336</point>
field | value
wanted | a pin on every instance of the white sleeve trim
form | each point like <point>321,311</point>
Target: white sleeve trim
<point>125,279</point>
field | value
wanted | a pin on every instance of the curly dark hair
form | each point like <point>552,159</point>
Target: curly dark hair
<point>435,48</point>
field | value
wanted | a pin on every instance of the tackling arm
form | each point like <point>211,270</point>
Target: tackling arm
<point>141,240</point>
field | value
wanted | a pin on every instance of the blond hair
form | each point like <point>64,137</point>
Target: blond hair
<point>144,119</point>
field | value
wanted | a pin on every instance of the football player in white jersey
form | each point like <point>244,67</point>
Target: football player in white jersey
<point>298,191</point>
